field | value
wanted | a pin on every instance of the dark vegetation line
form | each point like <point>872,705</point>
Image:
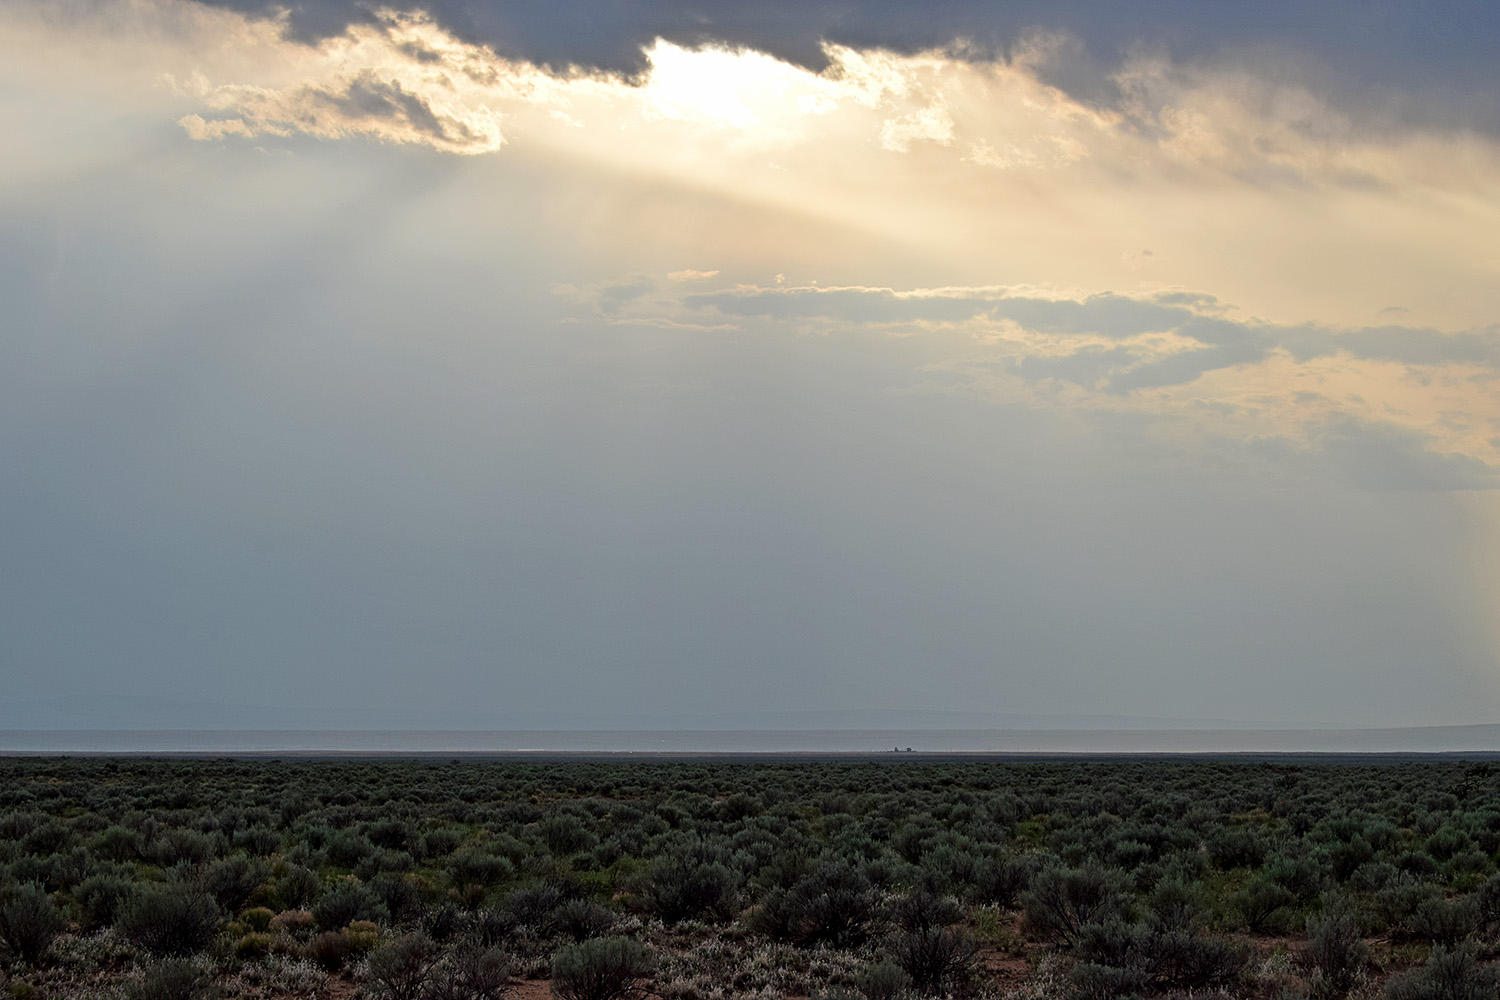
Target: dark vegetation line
<point>465,879</point>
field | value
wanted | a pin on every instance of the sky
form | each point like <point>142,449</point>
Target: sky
<point>468,365</point>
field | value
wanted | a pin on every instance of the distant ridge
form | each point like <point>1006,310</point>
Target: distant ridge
<point>127,712</point>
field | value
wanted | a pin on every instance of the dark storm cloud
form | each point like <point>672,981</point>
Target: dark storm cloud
<point>1438,55</point>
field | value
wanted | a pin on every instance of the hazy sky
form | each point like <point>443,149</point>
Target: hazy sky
<point>484,364</point>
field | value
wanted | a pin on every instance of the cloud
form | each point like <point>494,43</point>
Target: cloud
<point>448,74</point>
<point>1382,456</point>
<point>1388,404</point>
<point>1191,316</point>
<point>1105,314</point>
<point>1227,344</point>
<point>367,103</point>
<point>1087,366</point>
<point>1439,53</point>
<point>930,124</point>
<point>200,129</point>
<point>1408,345</point>
<point>1199,301</point>
<point>364,104</point>
<point>612,298</point>
<point>847,304</point>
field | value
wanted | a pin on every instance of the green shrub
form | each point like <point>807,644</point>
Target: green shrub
<point>18,989</point>
<point>170,980</point>
<point>1446,843</point>
<point>1346,858</point>
<point>1191,961</point>
<point>257,841</point>
<point>400,970</point>
<point>833,905</point>
<point>475,974</point>
<point>1301,876</point>
<point>1396,905</point>
<point>442,922</point>
<point>293,922</point>
<point>253,945</point>
<point>362,935</point>
<point>346,849</point>
<point>116,843</point>
<point>1092,981</point>
<point>534,908</point>
<point>490,927</point>
<point>47,838</point>
<point>565,834</point>
<point>923,910</point>
<point>883,981</point>
<point>477,867</point>
<point>1336,953</point>
<point>29,921</point>
<point>1113,942</point>
<point>329,950</point>
<point>440,842</point>
<point>1448,975</point>
<point>100,896</point>
<point>1164,953</point>
<point>938,959</point>
<point>1000,880</point>
<point>169,920</point>
<point>232,880</point>
<point>683,888</point>
<point>347,902</point>
<point>740,806</point>
<point>257,918</point>
<point>1443,922</point>
<point>297,887</point>
<point>1238,848</point>
<point>1487,902</point>
<point>1062,900</point>
<point>600,969</point>
<point>582,918</point>
<point>1417,863</point>
<point>179,846</point>
<point>392,834</point>
<point>399,895</point>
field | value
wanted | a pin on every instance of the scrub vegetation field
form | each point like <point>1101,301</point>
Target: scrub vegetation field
<point>471,880</point>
